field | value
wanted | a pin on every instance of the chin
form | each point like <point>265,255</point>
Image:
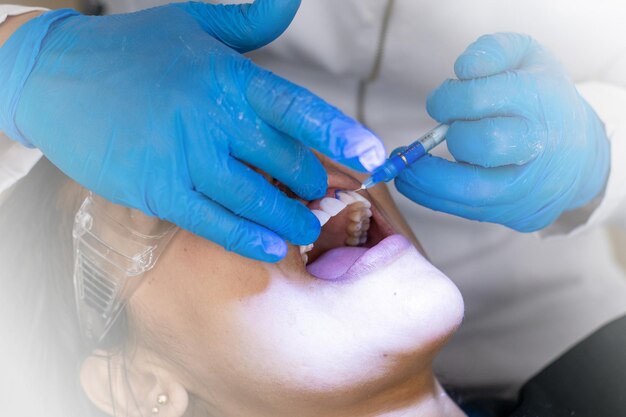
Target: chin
<point>408,305</point>
<point>381,327</point>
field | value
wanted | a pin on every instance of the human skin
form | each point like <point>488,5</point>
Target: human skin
<point>226,336</point>
<point>13,23</point>
<point>223,335</point>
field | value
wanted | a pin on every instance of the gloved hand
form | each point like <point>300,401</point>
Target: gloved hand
<point>158,110</point>
<point>527,145</point>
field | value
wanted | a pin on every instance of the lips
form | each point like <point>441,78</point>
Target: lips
<point>335,261</point>
<point>349,262</point>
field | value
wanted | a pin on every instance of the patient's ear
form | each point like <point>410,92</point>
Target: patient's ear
<point>138,383</point>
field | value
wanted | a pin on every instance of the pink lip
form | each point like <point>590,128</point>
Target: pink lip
<point>346,263</point>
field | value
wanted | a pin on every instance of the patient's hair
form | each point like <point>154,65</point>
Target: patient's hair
<point>41,348</point>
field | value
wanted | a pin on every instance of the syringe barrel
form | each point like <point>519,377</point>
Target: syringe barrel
<point>400,161</point>
<point>389,170</point>
<point>424,144</point>
<point>433,138</point>
<point>412,153</point>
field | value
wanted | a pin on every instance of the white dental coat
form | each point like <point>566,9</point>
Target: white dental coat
<point>528,297</point>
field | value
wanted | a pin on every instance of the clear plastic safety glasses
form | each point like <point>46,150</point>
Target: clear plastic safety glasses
<point>113,248</point>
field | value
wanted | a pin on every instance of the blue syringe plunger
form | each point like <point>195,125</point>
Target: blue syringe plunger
<point>400,161</point>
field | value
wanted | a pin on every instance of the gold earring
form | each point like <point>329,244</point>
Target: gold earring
<point>162,399</point>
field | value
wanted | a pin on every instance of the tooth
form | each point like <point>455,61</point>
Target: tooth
<point>332,206</point>
<point>306,248</point>
<point>356,216</point>
<point>345,197</point>
<point>352,241</point>
<point>305,258</point>
<point>363,239</point>
<point>368,213</point>
<point>358,206</point>
<point>354,227</point>
<point>359,197</point>
<point>322,216</point>
<point>365,227</point>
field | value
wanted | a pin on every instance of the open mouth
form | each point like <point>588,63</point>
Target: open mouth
<point>355,239</point>
<point>356,236</point>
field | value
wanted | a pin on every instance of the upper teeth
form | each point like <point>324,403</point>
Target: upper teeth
<point>329,207</point>
<point>322,216</point>
<point>359,223</point>
<point>332,206</point>
<point>306,248</point>
<point>359,216</point>
<point>351,197</point>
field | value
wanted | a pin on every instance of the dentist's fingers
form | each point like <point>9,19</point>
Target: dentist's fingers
<point>285,159</point>
<point>494,142</point>
<point>505,94</point>
<point>247,194</point>
<point>493,54</point>
<point>245,27</point>
<point>466,184</point>
<point>302,115</point>
<point>502,214</point>
<point>211,221</point>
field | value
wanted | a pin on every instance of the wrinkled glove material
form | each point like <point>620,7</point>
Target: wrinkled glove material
<point>159,110</point>
<point>527,146</point>
<point>22,51</point>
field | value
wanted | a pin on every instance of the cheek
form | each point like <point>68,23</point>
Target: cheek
<point>206,274</point>
<point>186,305</point>
<point>249,330</point>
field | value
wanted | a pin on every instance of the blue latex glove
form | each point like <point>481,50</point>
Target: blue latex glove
<point>527,145</point>
<point>158,110</point>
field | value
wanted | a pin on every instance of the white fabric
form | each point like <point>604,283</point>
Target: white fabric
<point>609,102</point>
<point>527,299</point>
<point>7,10</point>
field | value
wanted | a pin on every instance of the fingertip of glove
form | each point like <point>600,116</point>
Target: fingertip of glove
<point>314,184</point>
<point>492,54</point>
<point>363,150</point>
<point>270,18</point>
<point>310,231</point>
<point>438,103</point>
<point>477,64</point>
<point>303,228</point>
<point>274,248</point>
<point>316,191</point>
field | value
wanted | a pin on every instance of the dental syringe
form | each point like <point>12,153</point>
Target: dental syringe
<point>402,160</point>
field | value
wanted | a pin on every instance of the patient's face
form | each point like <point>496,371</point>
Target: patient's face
<point>254,334</point>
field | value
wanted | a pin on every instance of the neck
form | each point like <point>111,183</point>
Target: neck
<point>433,402</point>
<point>421,396</point>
